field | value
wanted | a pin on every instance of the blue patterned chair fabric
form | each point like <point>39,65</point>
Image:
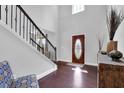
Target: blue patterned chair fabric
<point>7,80</point>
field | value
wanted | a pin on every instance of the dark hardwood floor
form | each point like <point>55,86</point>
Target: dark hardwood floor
<point>71,77</point>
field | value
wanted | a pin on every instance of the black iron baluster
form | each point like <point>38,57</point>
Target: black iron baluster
<point>11,16</point>
<point>6,9</point>
<point>27,31</point>
<point>35,34</point>
<point>16,20</point>
<point>30,33</point>
<point>55,53</point>
<point>46,45</point>
<point>20,24</point>
<point>23,26</point>
<point>0,12</point>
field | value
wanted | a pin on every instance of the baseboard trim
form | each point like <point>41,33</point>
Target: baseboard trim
<point>91,64</point>
<point>46,73</point>
<point>66,61</point>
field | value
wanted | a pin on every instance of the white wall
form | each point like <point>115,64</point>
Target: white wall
<point>89,22</point>
<point>45,16</point>
<point>23,59</point>
<point>119,35</point>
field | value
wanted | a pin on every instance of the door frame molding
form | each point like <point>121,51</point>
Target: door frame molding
<point>81,60</point>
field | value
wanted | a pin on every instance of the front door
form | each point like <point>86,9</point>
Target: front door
<point>78,49</point>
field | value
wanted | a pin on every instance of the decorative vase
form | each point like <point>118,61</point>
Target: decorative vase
<point>112,45</point>
<point>115,55</point>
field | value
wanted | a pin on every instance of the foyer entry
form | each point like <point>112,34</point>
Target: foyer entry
<point>78,48</point>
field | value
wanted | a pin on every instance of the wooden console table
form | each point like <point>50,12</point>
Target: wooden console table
<point>110,73</point>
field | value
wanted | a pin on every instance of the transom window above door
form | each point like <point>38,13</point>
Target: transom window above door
<point>77,8</point>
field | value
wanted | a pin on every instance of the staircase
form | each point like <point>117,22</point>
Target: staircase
<point>23,44</point>
<point>26,28</point>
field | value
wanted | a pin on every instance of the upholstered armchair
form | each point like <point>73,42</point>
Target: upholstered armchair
<point>7,80</point>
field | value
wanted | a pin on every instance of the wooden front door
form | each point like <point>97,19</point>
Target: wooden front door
<point>78,49</point>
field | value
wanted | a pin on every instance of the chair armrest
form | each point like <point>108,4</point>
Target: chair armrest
<point>29,81</point>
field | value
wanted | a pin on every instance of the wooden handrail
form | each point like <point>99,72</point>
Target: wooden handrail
<point>22,10</point>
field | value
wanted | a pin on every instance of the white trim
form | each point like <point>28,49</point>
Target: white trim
<point>86,63</point>
<point>92,64</point>
<point>43,74</point>
<point>69,61</point>
<point>46,73</point>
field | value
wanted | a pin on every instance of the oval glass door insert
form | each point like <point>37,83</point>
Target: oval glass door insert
<point>78,49</point>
